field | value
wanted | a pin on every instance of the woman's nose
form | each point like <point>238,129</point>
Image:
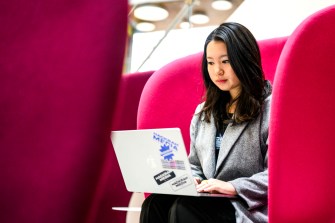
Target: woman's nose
<point>219,70</point>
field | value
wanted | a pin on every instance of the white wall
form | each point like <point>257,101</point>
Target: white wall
<point>275,18</point>
<point>178,43</point>
<point>265,19</point>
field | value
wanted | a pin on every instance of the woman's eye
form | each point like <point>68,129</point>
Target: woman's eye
<point>225,61</point>
<point>210,63</point>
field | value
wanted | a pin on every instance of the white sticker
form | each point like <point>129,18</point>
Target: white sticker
<point>180,182</point>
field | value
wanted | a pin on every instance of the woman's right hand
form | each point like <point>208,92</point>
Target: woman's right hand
<point>197,180</point>
<point>215,186</point>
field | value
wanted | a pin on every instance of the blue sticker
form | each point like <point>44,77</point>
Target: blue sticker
<point>166,152</point>
<point>167,146</point>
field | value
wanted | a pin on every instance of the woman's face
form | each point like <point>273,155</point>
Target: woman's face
<point>220,70</point>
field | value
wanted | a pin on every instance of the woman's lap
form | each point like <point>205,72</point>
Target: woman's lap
<point>170,208</point>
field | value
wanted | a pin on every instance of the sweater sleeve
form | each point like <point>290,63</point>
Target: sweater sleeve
<point>254,190</point>
<point>193,157</point>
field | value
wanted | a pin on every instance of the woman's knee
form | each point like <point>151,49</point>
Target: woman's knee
<point>147,201</point>
<point>156,207</point>
<point>158,200</point>
<point>181,210</point>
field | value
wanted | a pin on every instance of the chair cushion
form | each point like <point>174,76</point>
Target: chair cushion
<point>301,182</point>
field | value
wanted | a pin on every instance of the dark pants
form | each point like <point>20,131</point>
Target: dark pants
<point>159,208</point>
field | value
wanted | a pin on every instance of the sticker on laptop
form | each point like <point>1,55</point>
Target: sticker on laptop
<point>181,182</point>
<point>167,151</point>
<point>164,176</point>
<point>173,164</point>
<point>167,146</point>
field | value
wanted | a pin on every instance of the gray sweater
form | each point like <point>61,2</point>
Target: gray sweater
<point>242,161</point>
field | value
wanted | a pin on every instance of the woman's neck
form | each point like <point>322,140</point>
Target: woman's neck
<point>231,106</point>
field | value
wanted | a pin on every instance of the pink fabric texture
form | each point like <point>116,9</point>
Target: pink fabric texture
<point>131,86</point>
<point>60,65</point>
<point>270,52</point>
<point>172,93</point>
<point>301,151</point>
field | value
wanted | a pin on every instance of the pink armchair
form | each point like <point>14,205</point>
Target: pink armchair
<point>302,147</point>
<point>172,93</point>
<point>60,65</point>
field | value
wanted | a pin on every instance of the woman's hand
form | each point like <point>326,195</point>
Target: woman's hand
<point>197,180</point>
<point>215,186</point>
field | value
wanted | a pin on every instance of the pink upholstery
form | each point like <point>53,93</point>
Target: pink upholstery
<point>130,91</point>
<point>302,147</point>
<point>270,52</point>
<point>172,93</point>
<point>113,191</point>
<point>60,65</point>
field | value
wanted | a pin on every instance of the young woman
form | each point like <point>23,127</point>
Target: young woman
<point>229,135</point>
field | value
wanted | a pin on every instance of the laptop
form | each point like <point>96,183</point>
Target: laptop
<point>155,161</point>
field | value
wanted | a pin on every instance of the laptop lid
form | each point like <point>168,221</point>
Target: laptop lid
<point>154,161</point>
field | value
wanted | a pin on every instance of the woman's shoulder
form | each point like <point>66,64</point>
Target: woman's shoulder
<point>197,112</point>
<point>267,92</point>
<point>267,100</point>
<point>199,107</point>
<point>266,108</point>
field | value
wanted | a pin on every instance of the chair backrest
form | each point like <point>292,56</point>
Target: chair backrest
<point>172,93</point>
<point>270,52</point>
<point>302,148</point>
<point>60,66</point>
<point>131,87</point>
<point>114,192</point>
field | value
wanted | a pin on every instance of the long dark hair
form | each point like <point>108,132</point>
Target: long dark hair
<point>244,56</point>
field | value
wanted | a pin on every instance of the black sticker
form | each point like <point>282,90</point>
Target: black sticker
<point>164,176</point>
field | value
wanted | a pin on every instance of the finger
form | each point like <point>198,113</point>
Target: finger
<point>211,181</point>
<point>202,187</point>
<point>204,182</point>
<point>211,189</point>
<point>195,180</point>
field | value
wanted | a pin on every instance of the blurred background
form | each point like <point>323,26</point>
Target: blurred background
<point>163,30</point>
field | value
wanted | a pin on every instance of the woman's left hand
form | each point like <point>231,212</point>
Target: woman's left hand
<point>215,186</point>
